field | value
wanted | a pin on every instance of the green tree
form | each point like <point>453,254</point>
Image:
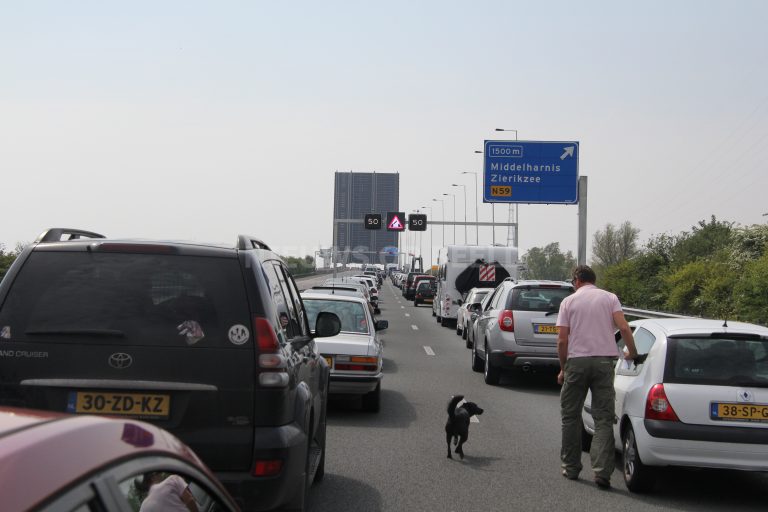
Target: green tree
<point>749,243</point>
<point>638,281</point>
<point>7,258</point>
<point>613,245</point>
<point>749,292</point>
<point>704,241</point>
<point>548,263</point>
<point>298,266</point>
<point>703,288</point>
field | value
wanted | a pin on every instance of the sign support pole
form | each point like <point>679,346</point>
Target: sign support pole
<point>582,246</point>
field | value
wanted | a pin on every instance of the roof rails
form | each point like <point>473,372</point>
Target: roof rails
<point>245,242</point>
<point>56,235</point>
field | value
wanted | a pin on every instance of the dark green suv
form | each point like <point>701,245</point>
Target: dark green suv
<point>208,342</point>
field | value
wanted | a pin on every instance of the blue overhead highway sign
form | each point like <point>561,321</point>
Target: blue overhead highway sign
<point>530,172</point>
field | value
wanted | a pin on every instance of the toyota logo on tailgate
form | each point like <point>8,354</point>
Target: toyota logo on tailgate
<point>120,360</point>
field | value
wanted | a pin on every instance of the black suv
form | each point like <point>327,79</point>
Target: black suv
<point>210,343</point>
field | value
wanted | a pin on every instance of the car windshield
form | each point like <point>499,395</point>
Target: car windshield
<point>719,361</point>
<point>537,299</point>
<point>352,315</point>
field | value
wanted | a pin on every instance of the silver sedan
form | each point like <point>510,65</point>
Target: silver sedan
<point>355,354</point>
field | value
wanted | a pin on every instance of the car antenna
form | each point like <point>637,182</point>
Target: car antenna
<point>725,322</point>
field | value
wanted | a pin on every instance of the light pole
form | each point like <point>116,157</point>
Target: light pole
<point>493,214</point>
<point>477,228</point>
<point>503,130</point>
<point>430,236</point>
<point>517,243</point>
<point>417,236</point>
<point>454,215</point>
<point>442,208</point>
<point>465,209</point>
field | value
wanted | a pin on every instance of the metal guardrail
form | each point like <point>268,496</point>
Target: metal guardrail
<point>645,313</point>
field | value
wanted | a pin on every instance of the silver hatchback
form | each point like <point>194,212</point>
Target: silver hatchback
<point>517,327</point>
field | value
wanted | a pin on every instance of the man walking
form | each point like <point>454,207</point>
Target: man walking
<point>587,350</point>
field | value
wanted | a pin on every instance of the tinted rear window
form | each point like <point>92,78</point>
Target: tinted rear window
<point>537,299</point>
<point>717,361</point>
<point>129,298</point>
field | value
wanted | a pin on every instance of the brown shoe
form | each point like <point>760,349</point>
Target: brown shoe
<point>602,483</point>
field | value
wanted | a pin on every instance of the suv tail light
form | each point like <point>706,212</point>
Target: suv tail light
<point>657,406</point>
<point>271,362</point>
<point>267,467</point>
<point>507,321</point>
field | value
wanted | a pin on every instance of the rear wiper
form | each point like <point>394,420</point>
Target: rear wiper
<point>77,332</point>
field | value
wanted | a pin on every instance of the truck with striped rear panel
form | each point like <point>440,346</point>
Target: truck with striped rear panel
<point>463,267</point>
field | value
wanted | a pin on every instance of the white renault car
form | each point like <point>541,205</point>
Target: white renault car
<point>355,354</point>
<point>699,398</point>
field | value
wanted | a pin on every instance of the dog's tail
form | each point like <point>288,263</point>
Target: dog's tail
<point>453,403</point>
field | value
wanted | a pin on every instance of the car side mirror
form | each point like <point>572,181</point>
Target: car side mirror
<point>476,307</point>
<point>327,325</point>
<point>380,325</point>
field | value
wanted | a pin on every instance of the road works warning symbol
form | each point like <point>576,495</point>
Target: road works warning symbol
<point>395,224</point>
<point>395,221</point>
<point>487,273</point>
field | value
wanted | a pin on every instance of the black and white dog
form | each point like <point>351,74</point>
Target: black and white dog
<point>457,426</point>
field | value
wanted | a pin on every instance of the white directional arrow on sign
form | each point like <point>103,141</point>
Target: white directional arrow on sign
<point>568,152</point>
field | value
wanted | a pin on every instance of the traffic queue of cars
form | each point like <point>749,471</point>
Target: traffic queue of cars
<point>697,395</point>
<point>143,351</point>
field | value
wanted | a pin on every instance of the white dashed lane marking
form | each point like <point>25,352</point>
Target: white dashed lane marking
<point>407,314</point>
<point>415,327</point>
<point>429,351</point>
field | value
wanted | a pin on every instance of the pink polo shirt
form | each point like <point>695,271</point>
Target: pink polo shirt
<point>588,314</point>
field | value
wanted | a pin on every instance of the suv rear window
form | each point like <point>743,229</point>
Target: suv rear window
<point>717,361</point>
<point>537,299</point>
<point>135,299</point>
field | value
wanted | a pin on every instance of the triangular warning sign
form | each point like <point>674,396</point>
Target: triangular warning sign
<point>395,223</point>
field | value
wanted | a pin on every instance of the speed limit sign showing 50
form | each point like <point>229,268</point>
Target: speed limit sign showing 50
<point>417,222</point>
<point>372,221</point>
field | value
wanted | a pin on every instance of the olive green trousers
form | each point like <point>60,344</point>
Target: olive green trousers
<point>584,374</point>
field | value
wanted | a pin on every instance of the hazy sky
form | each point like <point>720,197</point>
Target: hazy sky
<point>200,120</point>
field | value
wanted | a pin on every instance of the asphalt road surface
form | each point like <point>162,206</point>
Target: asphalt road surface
<point>395,460</point>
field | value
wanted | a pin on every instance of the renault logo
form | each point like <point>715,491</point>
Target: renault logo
<point>745,395</point>
<point>120,360</point>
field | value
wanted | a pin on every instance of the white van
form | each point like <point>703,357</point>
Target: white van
<point>463,267</point>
